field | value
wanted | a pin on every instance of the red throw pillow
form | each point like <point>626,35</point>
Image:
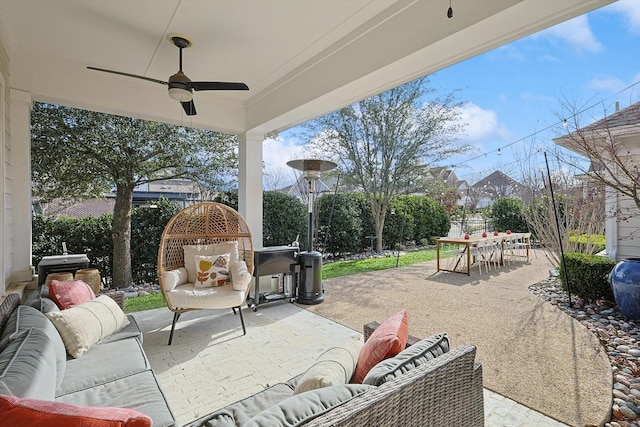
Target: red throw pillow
<point>386,341</point>
<point>69,294</point>
<point>43,413</point>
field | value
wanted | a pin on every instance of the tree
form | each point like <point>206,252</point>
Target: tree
<point>78,154</point>
<point>610,145</point>
<point>383,143</point>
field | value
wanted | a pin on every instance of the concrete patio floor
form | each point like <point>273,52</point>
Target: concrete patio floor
<point>210,364</point>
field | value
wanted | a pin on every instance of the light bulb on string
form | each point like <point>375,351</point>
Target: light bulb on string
<point>450,11</point>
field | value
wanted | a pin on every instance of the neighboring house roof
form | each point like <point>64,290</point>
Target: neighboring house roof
<point>622,122</point>
<point>495,180</point>
<point>84,209</point>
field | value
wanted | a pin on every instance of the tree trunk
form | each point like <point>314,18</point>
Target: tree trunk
<point>379,217</point>
<point>122,236</point>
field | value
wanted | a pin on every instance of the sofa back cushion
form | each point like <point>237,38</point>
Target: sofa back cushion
<point>31,412</point>
<point>9,304</point>
<point>413,356</point>
<point>304,407</point>
<point>28,367</point>
<point>32,332</point>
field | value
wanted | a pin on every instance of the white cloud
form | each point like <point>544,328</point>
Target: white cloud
<point>630,9</point>
<point>576,33</point>
<point>277,152</point>
<point>480,124</point>
<point>610,84</point>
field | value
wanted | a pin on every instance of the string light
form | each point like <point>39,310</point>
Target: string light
<point>563,123</point>
<point>450,11</point>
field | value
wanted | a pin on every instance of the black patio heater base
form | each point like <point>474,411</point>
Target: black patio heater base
<point>310,287</point>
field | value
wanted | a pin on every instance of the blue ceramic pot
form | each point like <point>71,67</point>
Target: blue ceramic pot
<point>625,284</point>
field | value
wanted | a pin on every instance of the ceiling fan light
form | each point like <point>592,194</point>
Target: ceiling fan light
<point>180,94</point>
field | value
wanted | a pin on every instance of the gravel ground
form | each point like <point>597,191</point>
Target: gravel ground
<point>621,339</point>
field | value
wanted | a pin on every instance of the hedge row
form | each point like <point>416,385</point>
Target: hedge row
<point>344,222</point>
<point>588,276</point>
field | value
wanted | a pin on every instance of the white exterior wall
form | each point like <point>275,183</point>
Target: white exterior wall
<point>628,226</point>
<point>5,146</point>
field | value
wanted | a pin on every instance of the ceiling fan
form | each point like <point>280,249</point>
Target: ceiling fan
<point>180,86</point>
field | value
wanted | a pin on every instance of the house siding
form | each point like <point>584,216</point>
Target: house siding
<point>628,229</point>
<point>5,183</point>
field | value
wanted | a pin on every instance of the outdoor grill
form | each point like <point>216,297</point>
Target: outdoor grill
<point>61,263</point>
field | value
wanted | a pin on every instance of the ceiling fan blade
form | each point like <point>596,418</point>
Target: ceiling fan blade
<point>218,86</point>
<point>189,108</point>
<point>135,76</point>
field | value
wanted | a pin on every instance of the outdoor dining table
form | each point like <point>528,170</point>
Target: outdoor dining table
<point>473,240</point>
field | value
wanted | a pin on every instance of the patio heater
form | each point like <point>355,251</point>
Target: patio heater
<point>310,283</point>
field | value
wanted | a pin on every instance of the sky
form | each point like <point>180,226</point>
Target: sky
<point>511,96</point>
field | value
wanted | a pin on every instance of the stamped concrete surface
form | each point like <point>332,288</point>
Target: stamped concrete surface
<point>210,364</point>
<point>531,352</point>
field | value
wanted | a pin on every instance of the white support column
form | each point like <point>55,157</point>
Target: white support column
<point>19,175</point>
<point>250,183</point>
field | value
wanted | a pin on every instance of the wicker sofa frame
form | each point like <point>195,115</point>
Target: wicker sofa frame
<point>202,224</point>
<point>446,391</point>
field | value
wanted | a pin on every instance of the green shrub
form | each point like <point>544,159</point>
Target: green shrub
<point>339,224</point>
<point>589,244</point>
<point>284,218</point>
<point>147,225</point>
<point>507,214</point>
<point>90,236</point>
<point>588,275</point>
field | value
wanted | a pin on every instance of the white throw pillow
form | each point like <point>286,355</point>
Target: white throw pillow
<point>83,326</point>
<point>212,270</point>
<point>333,367</point>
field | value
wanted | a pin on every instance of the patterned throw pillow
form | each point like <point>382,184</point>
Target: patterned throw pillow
<point>212,270</point>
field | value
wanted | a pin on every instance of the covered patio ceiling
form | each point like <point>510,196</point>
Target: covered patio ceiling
<point>300,58</point>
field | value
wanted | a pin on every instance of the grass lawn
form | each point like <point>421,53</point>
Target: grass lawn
<point>329,271</point>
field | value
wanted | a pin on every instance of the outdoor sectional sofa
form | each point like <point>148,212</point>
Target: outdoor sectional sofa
<point>425,385</point>
<point>34,365</point>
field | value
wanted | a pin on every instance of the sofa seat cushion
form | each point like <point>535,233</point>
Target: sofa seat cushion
<point>83,326</point>
<point>188,295</point>
<point>240,412</point>
<point>138,391</point>
<point>29,412</point>
<point>101,365</point>
<point>411,357</point>
<point>43,339</point>
<point>304,407</point>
